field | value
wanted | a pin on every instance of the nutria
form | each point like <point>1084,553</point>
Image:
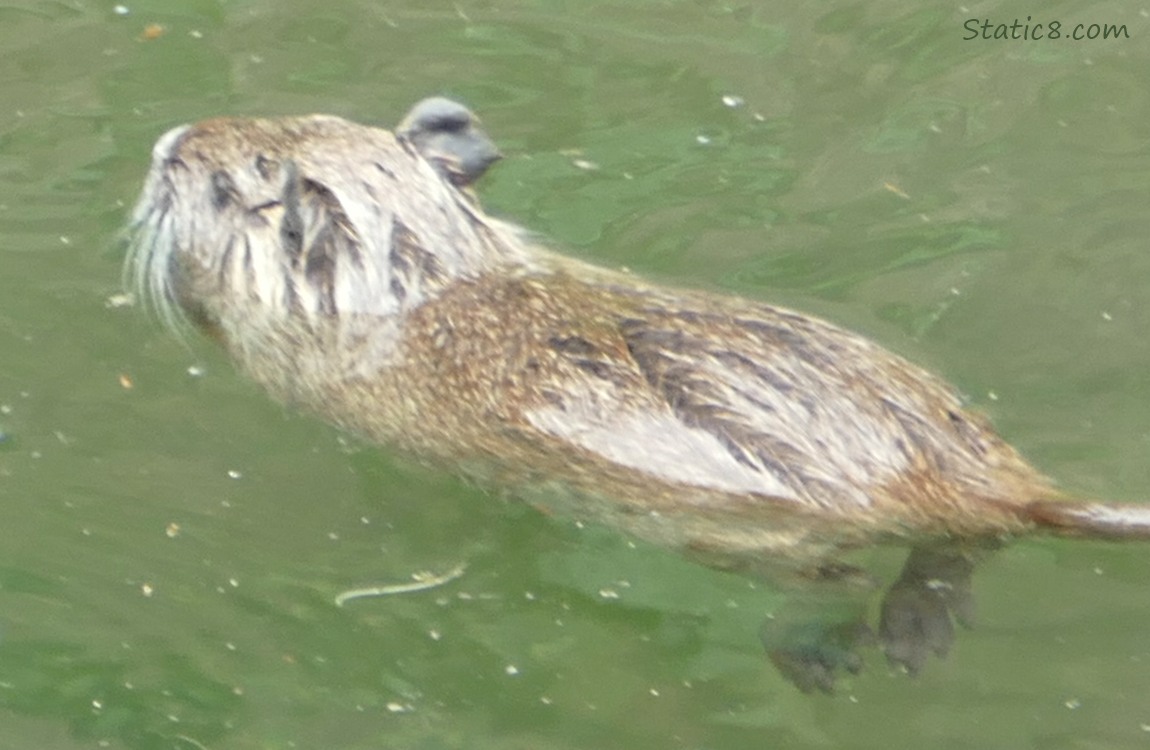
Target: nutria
<point>347,271</point>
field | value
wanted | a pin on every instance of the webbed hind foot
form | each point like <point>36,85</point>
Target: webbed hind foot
<point>920,608</point>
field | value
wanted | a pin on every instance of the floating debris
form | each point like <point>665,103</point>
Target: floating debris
<point>153,31</point>
<point>892,188</point>
<point>421,581</point>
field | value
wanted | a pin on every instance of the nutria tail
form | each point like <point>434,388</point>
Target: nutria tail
<point>1090,519</point>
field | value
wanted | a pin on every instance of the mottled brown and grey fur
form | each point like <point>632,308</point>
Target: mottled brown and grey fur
<point>344,272</point>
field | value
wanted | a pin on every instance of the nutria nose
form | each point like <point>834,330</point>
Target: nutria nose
<point>447,134</point>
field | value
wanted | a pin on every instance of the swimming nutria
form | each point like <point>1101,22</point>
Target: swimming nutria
<point>349,274</point>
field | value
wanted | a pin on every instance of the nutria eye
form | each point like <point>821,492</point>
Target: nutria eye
<point>223,189</point>
<point>265,167</point>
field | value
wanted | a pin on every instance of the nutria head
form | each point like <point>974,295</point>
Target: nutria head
<point>301,218</point>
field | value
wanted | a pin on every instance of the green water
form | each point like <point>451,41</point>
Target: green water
<point>169,551</point>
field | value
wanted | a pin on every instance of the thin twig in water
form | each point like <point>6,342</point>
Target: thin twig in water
<point>422,582</point>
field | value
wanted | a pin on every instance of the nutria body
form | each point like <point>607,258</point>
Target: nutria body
<point>351,276</point>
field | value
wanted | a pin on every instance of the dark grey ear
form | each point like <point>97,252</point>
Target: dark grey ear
<point>447,134</point>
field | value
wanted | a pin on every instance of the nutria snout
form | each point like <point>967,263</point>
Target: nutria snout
<point>346,270</point>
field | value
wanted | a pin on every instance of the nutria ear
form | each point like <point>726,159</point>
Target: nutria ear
<point>448,136</point>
